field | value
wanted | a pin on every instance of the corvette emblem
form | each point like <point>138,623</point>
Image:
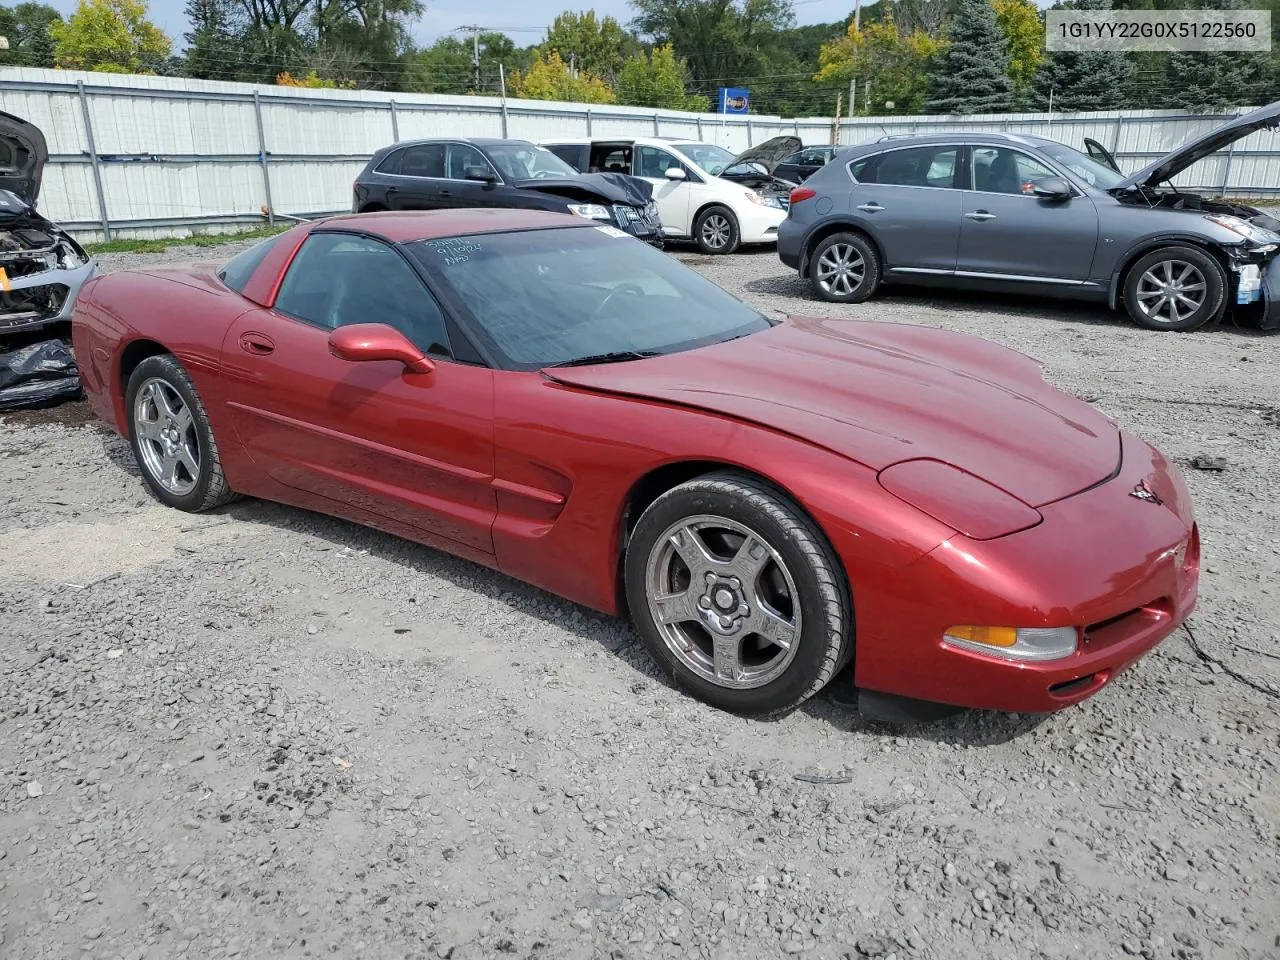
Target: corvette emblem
<point>1144,492</point>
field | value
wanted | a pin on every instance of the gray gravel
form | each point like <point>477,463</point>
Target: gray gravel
<point>264,733</point>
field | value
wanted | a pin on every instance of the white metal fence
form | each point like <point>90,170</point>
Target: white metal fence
<point>155,156</point>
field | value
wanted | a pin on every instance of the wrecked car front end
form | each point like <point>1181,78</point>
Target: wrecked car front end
<point>41,269</point>
<point>616,199</point>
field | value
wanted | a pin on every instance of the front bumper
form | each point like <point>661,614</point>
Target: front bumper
<point>42,299</point>
<point>1123,570</point>
<point>759,224</point>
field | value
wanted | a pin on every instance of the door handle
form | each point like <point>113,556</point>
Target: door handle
<point>256,343</point>
<point>871,207</point>
<point>980,215</point>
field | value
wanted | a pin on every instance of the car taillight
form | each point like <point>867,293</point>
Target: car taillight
<point>802,193</point>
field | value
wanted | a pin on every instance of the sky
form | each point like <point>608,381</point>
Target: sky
<point>525,21</point>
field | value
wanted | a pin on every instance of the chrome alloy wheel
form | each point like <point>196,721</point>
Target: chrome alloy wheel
<point>167,439</point>
<point>1171,291</point>
<point>723,601</point>
<point>715,231</point>
<point>840,269</point>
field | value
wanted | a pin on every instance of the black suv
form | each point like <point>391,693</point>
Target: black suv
<point>443,174</point>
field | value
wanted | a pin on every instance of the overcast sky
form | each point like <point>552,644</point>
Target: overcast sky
<point>524,20</point>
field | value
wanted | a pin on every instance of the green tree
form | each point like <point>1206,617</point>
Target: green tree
<point>1218,81</point>
<point>550,79</point>
<point>27,28</point>
<point>215,42</point>
<point>895,61</point>
<point>1024,40</point>
<point>583,41</point>
<point>657,80</point>
<point>722,41</point>
<point>113,36</point>
<point>1081,80</point>
<point>972,74</point>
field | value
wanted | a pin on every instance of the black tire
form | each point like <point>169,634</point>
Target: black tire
<point>824,643</point>
<point>716,231</point>
<point>207,484</point>
<point>1143,283</point>
<point>862,261</point>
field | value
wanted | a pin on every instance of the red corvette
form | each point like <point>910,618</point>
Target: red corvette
<point>558,401</point>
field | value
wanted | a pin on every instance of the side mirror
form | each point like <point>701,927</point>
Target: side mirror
<point>361,342</point>
<point>477,172</point>
<point>675,173</point>
<point>1052,188</point>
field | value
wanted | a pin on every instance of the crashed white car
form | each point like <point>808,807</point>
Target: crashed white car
<point>42,268</point>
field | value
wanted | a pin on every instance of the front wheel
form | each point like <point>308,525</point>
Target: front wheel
<point>845,269</point>
<point>716,230</point>
<point>171,437</point>
<point>1175,288</point>
<point>737,595</point>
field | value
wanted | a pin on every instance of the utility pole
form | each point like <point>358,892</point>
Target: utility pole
<point>853,94</point>
<point>835,127</point>
<point>857,18</point>
<point>475,49</point>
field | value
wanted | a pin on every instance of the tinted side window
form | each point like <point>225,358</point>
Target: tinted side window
<point>933,166</point>
<point>652,162</point>
<point>243,265</point>
<point>337,279</point>
<point>816,156</point>
<point>463,155</point>
<point>426,160</point>
<point>570,153</point>
<point>792,158</point>
<point>391,162</point>
<point>999,170</point>
<point>864,169</point>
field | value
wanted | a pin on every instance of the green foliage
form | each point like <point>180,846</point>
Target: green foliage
<point>551,79</point>
<point>1083,80</point>
<point>597,46</point>
<point>1024,39</point>
<point>27,28</point>
<point>972,74</point>
<point>657,80</point>
<point>1218,81</point>
<point>894,60</point>
<point>111,36</point>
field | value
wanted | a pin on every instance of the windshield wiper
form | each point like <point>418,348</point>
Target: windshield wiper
<point>614,356</point>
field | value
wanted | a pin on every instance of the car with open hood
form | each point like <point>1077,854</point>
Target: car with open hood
<point>445,174</point>
<point>999,211</point>
<point>770,499</point>
<point>42,267</point>
<point>757,168</point>
<point>695,201</point>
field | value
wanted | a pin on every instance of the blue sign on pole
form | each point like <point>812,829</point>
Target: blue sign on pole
<point>734,100</point>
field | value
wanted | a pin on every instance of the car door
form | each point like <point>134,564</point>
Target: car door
<point>414,448</point>
<point>908,199</point>
<point>674,198</point>
<point>1007,232</point>
<point>463,191</point>
<point>419,180</point>
<point>1100,153</point>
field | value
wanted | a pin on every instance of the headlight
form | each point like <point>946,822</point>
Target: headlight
<point>651,210</point>
<point>965,503</point>
<point>592,211</point>
<point>1244,228</point>
<point>1015,643</point>
<point>755,197</point>
<point>774,202</point>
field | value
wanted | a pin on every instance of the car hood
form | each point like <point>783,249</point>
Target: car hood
<point>881,393</point>
<point>1171,164</point>
<point>770,153</point>
<point>594,188</point>
<point>29,153</point>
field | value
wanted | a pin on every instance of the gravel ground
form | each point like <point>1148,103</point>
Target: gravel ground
<point>265,733</point>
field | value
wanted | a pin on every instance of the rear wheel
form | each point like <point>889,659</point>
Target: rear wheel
<point>1175,288</point>
<point>845,268</point>
<point>171,437</point>
<point>716,230</point>
<point>737,594</point>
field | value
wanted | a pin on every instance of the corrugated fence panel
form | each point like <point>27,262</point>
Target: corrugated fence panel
<point>177,154</point>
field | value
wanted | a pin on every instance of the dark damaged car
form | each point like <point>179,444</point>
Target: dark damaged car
<point>42,268</point>
<point>448,174</point>
<point>1004,212</point>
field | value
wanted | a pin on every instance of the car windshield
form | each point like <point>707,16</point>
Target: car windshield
<point>542,297</point>
<point>520,161</point>
<point>708,156</point>
<point>1097,175</point>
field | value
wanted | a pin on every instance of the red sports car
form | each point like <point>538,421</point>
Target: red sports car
<point>556,400</point>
